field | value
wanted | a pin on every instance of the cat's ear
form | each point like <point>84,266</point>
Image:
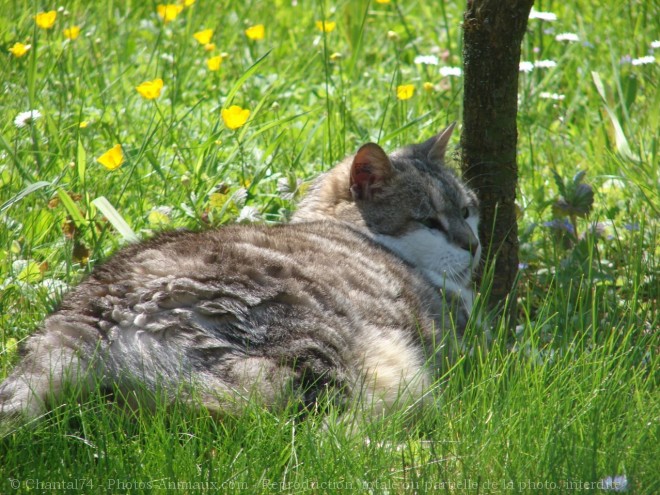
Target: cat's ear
<point>370,170</point>
<point>439,146</point>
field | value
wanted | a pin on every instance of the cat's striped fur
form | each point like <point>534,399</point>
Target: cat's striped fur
<point>352,298</point>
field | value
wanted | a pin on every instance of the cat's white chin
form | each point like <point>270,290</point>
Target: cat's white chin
<point>446,265</point>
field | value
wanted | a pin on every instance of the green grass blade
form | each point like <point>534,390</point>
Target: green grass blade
<point>28,190</point>
<point>115,219</point>
<point>622,145</point>
<point>241,80</point>
<point>71,207</point>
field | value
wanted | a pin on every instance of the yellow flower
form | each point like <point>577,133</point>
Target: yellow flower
<point>83,124</point>
<point>326,26</point>
<point>46,20</point>
<point>19,49</point>
<point>382,1</point>
<point>204,36</point>
<point>428,86</point>
<point>217,200</point>
<point>256,32</point>
<point>150,89</point>
<point>234,116</point>
<point>158,218</point>
<point>188,3</point>
<point>72,32</point>
<point>169,11</point>
<point>214,63</point>
<point>405,91</point>
<point>113,158</point>
<point>335,57</point>
<point>209,47</point>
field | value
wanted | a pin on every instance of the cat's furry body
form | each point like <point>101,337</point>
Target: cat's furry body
<point>352,298</point>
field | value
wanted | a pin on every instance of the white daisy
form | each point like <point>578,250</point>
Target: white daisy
<point>451,71</point>
<point>545,64</point>
<point>570,37</point>
<point>649,59</point>
<point>26,118</point>
<point>551,96</point>
<point>426,59</point>
<point>526,66</point>
<point>544,16</point>
<point>655,44</point>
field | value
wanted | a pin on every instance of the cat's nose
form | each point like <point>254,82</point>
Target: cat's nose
<point>470,243</point>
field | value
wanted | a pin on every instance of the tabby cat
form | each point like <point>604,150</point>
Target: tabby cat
<point>352,298</point>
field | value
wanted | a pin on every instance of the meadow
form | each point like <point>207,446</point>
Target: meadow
<point>121,119</point>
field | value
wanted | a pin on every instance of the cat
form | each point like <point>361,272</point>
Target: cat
<point>355,297</point>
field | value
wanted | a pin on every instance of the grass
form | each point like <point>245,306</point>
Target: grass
<point>570,399</point>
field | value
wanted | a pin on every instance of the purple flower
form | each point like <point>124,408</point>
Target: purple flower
<point>560,224</point>
<point>616,484</point>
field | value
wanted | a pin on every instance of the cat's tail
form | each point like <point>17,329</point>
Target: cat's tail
<point>51,362</point>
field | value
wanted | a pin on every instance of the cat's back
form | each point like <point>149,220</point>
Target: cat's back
<point>315,251</point>
<point>258,278</point>
<point>309,304</point>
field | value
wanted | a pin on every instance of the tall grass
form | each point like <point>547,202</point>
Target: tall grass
<point>568,400</point>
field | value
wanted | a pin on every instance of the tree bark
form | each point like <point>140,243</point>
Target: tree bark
<point>492,33</point>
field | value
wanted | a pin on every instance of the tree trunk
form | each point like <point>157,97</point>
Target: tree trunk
<point>492,34</point>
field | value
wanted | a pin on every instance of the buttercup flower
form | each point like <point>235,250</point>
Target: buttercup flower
<point>26,118</point>
<point>46,20</point>
<point>19,49</point>
<point>428,86</point>
<point>188,3</point>
<point>169,11</point>
<point>214,63</point>
<point>257,32</point>
<point>113,158</point>
<point>326,26</point>
<point>209,47</point>
<point>234,116</point>
<point>150,89</point>
<point>72,32</point>
<point>382,1</point>
<point>204,36</point>
<point>405,91</point>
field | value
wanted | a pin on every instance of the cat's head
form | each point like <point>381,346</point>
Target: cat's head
<point>409,202</point>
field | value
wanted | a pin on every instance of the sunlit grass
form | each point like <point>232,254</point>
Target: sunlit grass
<point>243,103</point>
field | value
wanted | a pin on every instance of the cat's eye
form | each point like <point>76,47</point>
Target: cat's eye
<point>433,223</point>
<point>466,212</point>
